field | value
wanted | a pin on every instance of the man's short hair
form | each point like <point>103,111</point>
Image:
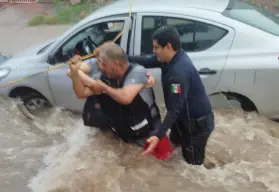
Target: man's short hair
<point>112,51</point>
<point>167,34</point>
<point>97,50</point>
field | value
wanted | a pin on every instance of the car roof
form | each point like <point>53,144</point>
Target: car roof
<point>119,7</point>
<point>170,6</point>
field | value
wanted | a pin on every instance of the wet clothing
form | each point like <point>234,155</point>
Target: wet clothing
<point>193,145</point>
<point>186,102</point>
<point>130,122</point>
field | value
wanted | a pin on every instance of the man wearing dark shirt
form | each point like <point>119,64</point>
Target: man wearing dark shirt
<point>189,112</point>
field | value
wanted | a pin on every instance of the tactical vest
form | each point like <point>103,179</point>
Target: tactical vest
<point>129,122</point>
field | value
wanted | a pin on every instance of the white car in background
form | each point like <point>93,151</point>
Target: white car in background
<point>234,46</point>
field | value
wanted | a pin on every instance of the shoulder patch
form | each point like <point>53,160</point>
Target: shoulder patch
<point>175,88</point>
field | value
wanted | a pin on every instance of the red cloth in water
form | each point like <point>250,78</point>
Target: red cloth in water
<point>162,150</point>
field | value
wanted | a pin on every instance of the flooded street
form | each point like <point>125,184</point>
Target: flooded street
<point>58,154</point>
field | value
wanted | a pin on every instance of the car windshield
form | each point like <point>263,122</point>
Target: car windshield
<point>254,16</point>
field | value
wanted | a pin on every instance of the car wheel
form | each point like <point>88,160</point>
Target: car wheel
<point>240,101</point>
<point>33,104</point>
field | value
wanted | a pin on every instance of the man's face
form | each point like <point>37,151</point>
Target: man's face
<point>161,52</point>
<point>110,68</point>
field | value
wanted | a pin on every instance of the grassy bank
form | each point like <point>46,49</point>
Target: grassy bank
<point>66,14</point>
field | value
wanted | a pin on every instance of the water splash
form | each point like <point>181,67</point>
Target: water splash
<point>242,151</point>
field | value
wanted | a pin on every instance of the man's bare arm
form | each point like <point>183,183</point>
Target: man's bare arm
<point>92,84</point>
<point>123,95</point>
<point>83,67</point>
<point>80,90</point>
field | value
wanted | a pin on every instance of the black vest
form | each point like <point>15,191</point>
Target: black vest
<point>129,122</point>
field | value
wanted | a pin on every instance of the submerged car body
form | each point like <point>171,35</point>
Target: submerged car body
<point>233,45</point>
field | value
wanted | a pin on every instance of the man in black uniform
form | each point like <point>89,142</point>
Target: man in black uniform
<point>117,98</point>
<point>189,112</point>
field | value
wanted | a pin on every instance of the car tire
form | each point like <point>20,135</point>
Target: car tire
<point>246,104</point>
<point>34,102</point>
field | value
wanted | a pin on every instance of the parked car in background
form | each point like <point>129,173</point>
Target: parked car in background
<point>234,46</point>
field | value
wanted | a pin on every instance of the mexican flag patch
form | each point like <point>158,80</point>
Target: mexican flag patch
<point>175,88</point>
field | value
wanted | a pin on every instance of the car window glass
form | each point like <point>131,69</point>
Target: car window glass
<point>254,16</point>
<point>185,29</point>
<point>195,36</point>
<point>84,42</point>
<point>207,35</point>
<point>149,24</point>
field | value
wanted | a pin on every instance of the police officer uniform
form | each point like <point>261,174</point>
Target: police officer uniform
<point>189,112</point>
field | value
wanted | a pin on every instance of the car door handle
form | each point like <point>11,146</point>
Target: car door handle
<point>207,71</point>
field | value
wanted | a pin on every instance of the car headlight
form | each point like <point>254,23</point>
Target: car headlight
<point>4,72</point>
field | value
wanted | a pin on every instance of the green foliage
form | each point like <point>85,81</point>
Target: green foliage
<point>66,14</point>
<point>36,20</point>
<point>41,19</point>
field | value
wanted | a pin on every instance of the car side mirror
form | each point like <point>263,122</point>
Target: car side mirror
<point>50,59</point>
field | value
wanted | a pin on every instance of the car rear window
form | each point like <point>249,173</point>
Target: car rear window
<point>252,15</point>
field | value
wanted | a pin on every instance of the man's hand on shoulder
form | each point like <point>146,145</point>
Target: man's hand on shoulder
<point>150,82</point>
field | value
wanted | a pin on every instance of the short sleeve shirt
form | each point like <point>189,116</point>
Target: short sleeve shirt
<point>136,76</point>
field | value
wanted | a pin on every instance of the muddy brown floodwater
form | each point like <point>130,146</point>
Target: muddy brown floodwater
<point>57,153</point>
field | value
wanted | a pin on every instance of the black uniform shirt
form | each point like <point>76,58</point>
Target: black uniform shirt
<point>183,89</point>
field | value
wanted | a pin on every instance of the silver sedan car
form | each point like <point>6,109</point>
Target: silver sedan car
<point>233,45</point>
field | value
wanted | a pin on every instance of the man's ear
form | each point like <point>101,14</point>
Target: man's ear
<point>168,46</point>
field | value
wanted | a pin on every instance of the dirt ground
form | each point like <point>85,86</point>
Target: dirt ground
<point>15,35</point>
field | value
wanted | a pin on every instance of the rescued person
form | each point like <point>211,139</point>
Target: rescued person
<point>116,92</point>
